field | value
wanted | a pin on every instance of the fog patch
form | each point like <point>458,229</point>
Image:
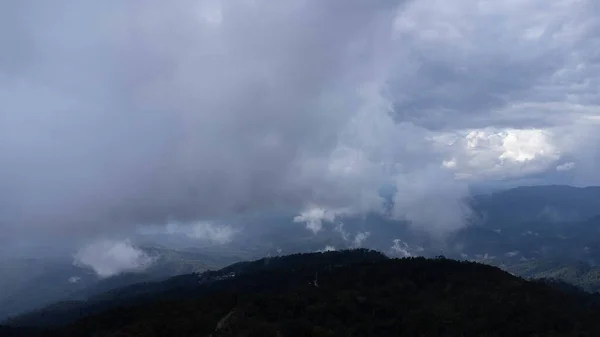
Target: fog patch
<point>207,231</point>
<point>112,257</point>
<point>204,231</point>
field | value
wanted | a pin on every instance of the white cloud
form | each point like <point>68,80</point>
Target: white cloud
<point>400,248</point>
<point>110,257</point>
<point>498,154</point>
<point>340,229</point>
<point>328,248</point>
<point>360,238</point>
<point>203,230</point>
<point>314,218</point>
<point>354,242</point>
<point>74,279</point>
<point>565,166</point>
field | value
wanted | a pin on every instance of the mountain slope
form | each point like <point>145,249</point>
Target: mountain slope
<point>552,202</point>
<point>28,284</point>
<point>580,274</point>
<point>351,293</point>
<point>184,286</point>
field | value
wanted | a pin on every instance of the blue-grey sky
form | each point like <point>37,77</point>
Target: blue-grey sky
<point>118,113</point>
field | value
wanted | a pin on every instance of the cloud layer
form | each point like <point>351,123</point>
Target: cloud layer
<point>203,232</point>
<point>115,114</point>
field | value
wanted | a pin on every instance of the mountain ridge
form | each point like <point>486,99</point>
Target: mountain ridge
<point>360,292</point>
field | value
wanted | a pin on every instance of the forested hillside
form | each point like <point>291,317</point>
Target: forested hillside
<point>350,293</point>
<point>27,284</point>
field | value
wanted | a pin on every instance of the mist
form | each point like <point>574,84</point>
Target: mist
<point>115,115</point>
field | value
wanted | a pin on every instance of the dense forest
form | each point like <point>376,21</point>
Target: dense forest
<point>349,293</point>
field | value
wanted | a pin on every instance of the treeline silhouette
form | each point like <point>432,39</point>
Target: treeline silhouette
<point>347,293</point>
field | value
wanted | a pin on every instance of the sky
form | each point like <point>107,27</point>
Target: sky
<point>120,113</point>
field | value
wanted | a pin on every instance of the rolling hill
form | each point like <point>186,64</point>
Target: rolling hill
<point>28,284</point>
<point>348,293</point>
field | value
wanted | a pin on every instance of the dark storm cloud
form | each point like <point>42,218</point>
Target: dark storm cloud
<point>471,60</point>
<point>117,113</point>
<point>125,112</point>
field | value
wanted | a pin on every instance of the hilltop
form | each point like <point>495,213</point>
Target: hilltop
<point>347,293</point>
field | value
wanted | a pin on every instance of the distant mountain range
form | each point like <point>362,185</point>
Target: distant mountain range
<point>533,222</point>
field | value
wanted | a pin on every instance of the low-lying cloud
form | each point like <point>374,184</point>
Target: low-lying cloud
<point>109,258</point>
<point>313,218</point>
<point>355,241</point>
<point>400,248</point>
<point>327,248</point>
<point>197,232</point>
<point>204,231</point>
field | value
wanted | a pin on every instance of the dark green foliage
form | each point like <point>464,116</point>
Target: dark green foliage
<point>353,293</point>
<point>184,286</point>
